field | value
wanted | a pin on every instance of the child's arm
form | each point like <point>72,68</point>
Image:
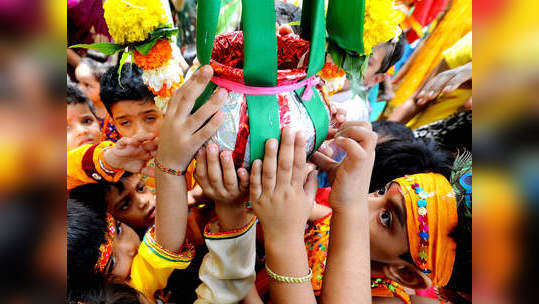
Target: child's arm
<point>180,136</point>
<point>283,205</point>
<point>107,161</point>
<point>347,276</point>
<point>228,270</point>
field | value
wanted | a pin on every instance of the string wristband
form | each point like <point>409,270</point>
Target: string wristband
<point>176,172</point>
<point>285,279</point>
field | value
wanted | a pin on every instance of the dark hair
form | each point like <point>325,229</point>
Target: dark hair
<point>286,13</point>
<point>109,293</point>
<point>74,95</point>
<point>394,53</point>
<point>393,130</point>
<point>85,233</point>
<point>132,87</point>
<point>93,195</point>
<point>396,158</point>
<point>461,277</point>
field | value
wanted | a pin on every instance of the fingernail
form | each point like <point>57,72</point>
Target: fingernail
<point>206,71</point>
<point>222,93</point>
<point>431,93</point>
<point>226,156</point>
<point>273,143</point>
<point>212,148</point>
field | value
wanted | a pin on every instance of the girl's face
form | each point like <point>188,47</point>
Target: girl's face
<point>124,249</point>
<point>132,202</point>
<point>82,126</point>
<point>387,220</point>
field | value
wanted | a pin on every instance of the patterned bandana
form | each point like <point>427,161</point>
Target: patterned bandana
<point>105,250</point>
<point>431,211</point>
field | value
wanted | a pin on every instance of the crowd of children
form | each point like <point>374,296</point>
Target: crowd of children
<point>381,212</point>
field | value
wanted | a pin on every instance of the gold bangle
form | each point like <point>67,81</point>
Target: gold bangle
<point>286,279</point>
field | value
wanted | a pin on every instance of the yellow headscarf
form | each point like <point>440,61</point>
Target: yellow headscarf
<point>431,211</point>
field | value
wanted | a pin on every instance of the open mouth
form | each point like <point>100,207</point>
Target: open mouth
<point>151,213</point>
<point>86,141</point>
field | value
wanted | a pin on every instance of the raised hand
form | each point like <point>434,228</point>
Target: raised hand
<point>350,178</point>
<point>281,190</point>
<point>131,154</point>
<point>183,133</point>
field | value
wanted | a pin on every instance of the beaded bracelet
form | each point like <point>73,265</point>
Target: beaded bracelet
<point>169,170</point>
<point>285,279</point>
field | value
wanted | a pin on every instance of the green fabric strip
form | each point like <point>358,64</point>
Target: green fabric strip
<point>313,28</point>
<point>260,43</point>
<point>319,116</point>
<point>207,18</point>
<point>264,122</point>
<point>345,24</point>
<point>210,88</point>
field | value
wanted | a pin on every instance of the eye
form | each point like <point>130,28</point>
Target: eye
<point>125,205</point>
<point>386,218</point>
<point>124,123</point>
<point>119,228</point>
<point>381,191</point>
<point>141,188</point>
<point>112,264</point>
<point>87,121</point>
<point>150,118</point>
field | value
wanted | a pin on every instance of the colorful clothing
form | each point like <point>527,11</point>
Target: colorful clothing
<point>456,23</point>
<point>85,165</point>
<point>228,269</point>
<point>384,287</point>
<point>153,265</point>
<point>460,53</point>
<point>431,216</point>
<point>316,243</point>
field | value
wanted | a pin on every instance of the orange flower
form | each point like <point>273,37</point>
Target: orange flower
<point>160,54</point>
<point>330,70</point>
<point>166,92</point>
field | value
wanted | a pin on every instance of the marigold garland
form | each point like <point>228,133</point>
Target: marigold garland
<point>165,91</point>
<point>331,70</point>
<point>381,23</point>
<point>158,56</point>
<point>133,20</point>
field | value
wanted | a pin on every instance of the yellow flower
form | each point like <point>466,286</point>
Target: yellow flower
<point>132,20</point>
<point>381,23</point>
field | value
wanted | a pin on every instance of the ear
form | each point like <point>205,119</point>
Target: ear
<point>407,275</point>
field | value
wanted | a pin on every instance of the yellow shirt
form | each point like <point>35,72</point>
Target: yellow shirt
<point>85,165</point>
<point>153,265</point>
<point>460,53</point>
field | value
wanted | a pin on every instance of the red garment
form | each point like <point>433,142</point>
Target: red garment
<point>322,196</point>
<point>425,11</point>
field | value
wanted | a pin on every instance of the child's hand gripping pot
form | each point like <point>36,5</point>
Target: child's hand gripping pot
<point>282,194</point>
<point>181,135</point>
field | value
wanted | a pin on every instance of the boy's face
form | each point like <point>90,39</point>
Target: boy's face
<point>131,202</point>
<point>387,219</point>
<point>82,126</point>
<point>136,117</point>
<point>124,249</point>
<point>371,76</point>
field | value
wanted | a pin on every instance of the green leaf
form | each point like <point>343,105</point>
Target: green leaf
<point>294,23</point>
<point>164,32</point>
<point>104,47</point>
<point>125,55</point>
<point>146,47</point>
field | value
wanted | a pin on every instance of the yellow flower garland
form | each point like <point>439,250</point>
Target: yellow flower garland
<point>381,23</point>
<point>133,20</point>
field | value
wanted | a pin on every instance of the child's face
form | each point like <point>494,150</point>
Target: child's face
<point>371,77</point>
<point>388,233</point>
<point>124,249</point>
<point>82,126</point>
<point>132,202</point>
<point>133,118</point>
